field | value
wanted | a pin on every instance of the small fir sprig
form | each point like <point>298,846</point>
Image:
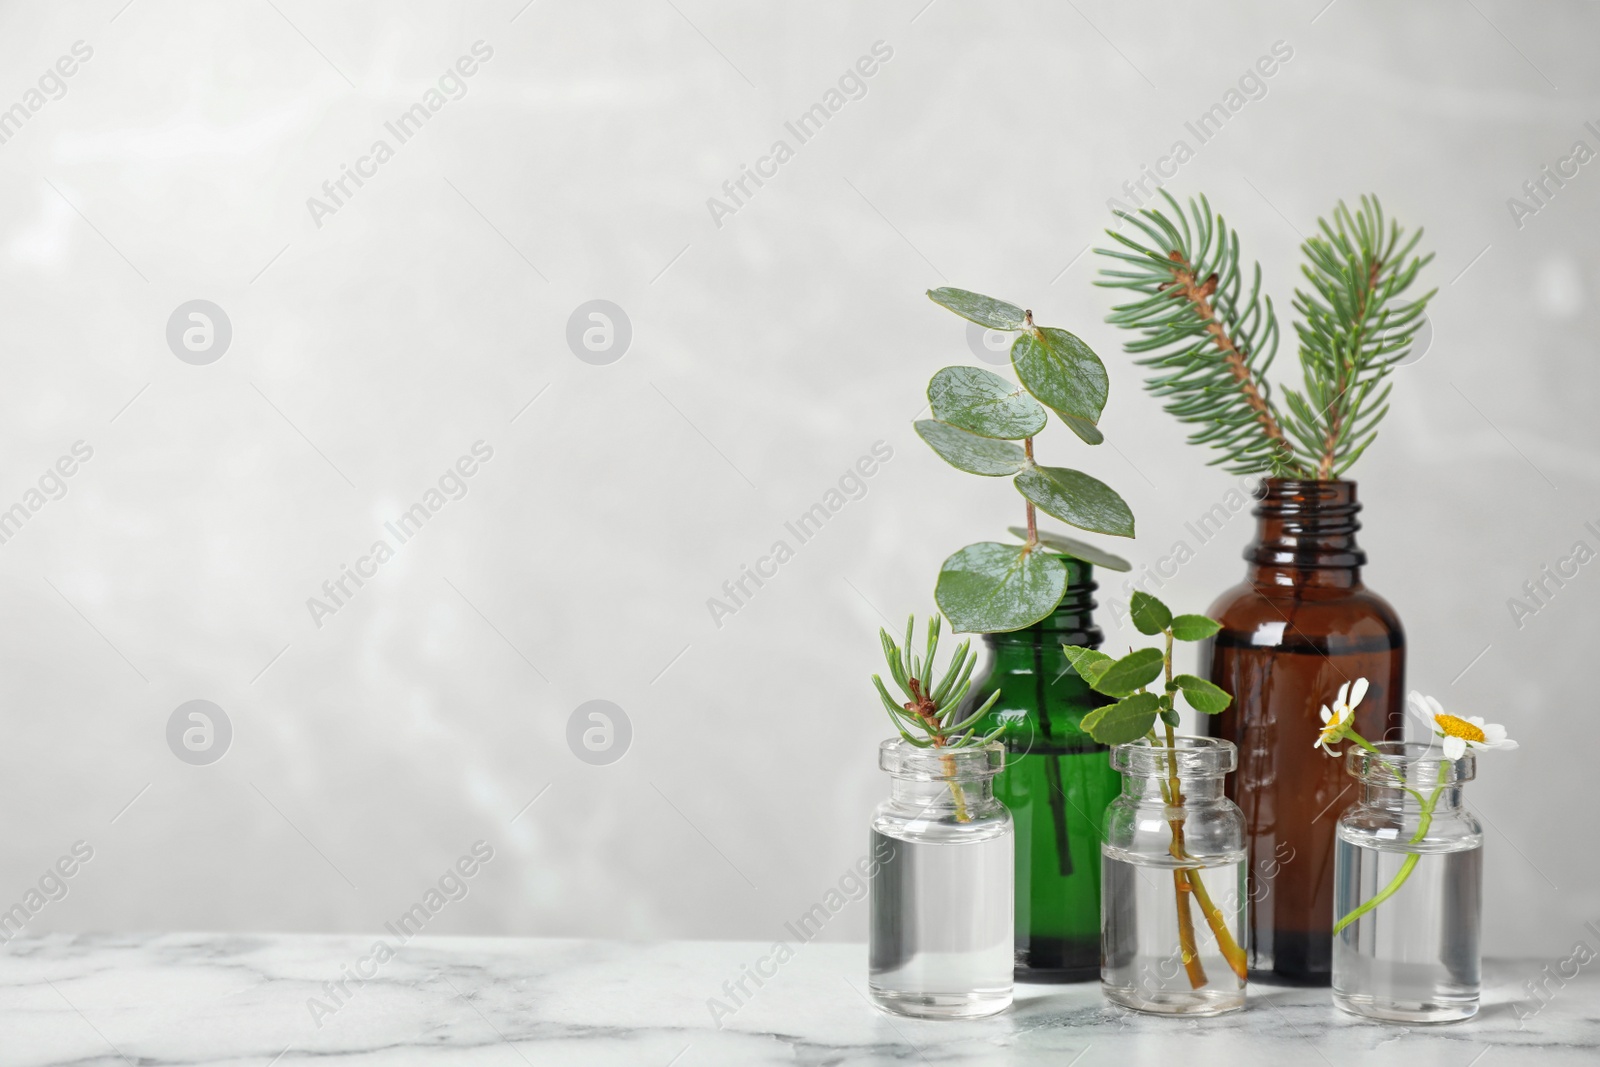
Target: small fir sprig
<point>1133,717</point>
<point>1210,338</point>
<point>1455,736</point>
<point>932,706</point>
<point>978,418</point>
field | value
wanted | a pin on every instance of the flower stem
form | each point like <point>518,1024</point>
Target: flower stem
<point>1409,864</point>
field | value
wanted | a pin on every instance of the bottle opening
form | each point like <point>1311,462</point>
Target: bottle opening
<point>1196,757</point>
<point>1416,766</point>
<point>907,761</point>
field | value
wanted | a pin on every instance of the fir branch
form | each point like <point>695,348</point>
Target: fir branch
<point>1210,342</point>
<point>932,708</point>
<point>1355,331</point>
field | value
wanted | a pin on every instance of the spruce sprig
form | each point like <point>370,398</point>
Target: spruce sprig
<point>1354,331</point>
<point>932,706</point>
<point>1211,341</point>
<point>1211,338</point>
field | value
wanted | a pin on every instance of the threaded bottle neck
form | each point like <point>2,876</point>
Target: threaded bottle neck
<point>1306,534</point>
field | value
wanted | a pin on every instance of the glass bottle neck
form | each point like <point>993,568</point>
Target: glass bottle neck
<point>1192,790</point>
<point>1306,535</point>
<point>1391,798</point>
<point>936,798</point>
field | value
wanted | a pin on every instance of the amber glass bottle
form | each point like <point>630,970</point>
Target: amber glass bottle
<point>1299,626</point>
<point>1057,782</point>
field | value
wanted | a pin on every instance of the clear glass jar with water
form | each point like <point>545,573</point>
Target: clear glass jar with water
<point>940,941</point>
<point>1414,956</point>
<point>1172,903</point>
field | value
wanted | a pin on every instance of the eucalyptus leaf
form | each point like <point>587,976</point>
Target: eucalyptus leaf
<point>1203,696</point>
<point>1071,546</point>
<point>1088,431</point>
<point>1126,720</point>
<point>1150,616</point>
<point>1061,371</point>
<point>1194,627</point>
<point>984,310</point>
<point>1076,499</point>
<point>993,588</point>
<point>982,402</point>
<point>969,452</point>
<point>1134,671</point>
<point>1088,662</point>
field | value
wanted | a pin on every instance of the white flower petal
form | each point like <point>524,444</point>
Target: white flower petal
<point>1434,705</point>
<point>1344,691</point>
<point>1359,691</point>
<point>1454,748</point>
<point>1326,714</point>
<point>1476,720</point>
<point>1493,732</point>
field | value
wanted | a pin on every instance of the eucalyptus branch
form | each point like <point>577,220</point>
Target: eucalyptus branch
<point>985,423</point>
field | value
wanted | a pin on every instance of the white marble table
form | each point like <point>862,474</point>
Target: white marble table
<point>234,999</point>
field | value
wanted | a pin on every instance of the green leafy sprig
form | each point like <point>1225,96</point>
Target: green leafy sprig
<point>978,418</point>
<point>1133,717</point>
<point>1135,713</point>
<point>1210,337</point>
<point>931,707</point>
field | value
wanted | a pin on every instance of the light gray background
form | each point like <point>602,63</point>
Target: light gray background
<point>768,354</point>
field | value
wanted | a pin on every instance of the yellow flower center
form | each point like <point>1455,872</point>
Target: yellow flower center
<point>1454,727</point>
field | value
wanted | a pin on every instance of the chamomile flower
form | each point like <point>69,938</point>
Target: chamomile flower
<point>1337,720</point>
<point>1459,734</point>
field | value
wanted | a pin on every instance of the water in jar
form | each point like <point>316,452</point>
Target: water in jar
<point>1142,964</point>
<point>1413,958</point>
<point>941,940</point>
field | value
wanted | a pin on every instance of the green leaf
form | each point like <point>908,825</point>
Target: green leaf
<point>969,452</point>
<point>1170,717</point>
<point>1088,662</point>
<point>1076,499</point>
<point>1122,722</point>
<point>984,310</point>
<point>982,402</point>
<point>1203,696</point>
<point>1063,372</point>
<point>1071,546</point>
<point>1150,616</point>
<point>993,588</point>
<point>1088,431</point>
<point>1194,627</point>
<point>1137,669</point>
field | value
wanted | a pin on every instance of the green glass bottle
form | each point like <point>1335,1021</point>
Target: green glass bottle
<point>1057,782</point>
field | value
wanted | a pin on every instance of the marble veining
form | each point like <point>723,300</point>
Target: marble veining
<point>293,999</point>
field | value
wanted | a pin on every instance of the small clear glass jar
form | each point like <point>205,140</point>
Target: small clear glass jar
<point>942,845</point>
<point>1414,956</point>
<point>1172,902</point>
